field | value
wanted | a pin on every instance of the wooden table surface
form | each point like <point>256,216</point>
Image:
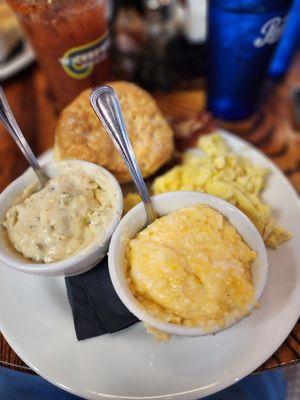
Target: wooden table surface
<point>272,131</point>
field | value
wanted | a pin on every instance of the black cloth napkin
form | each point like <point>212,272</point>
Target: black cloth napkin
<point>95,305</point>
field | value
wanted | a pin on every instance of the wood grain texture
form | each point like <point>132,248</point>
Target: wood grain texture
<point>271,130</point>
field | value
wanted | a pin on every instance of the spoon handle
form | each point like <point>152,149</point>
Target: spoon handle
<point>107,107</point>
<point>8,120</point>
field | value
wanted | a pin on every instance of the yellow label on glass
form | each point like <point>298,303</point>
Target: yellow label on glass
<point>79,62</point>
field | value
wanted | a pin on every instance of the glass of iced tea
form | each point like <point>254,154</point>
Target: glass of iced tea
<point>71,41</point>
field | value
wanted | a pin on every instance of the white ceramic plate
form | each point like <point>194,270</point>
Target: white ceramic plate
<point>36,320</point>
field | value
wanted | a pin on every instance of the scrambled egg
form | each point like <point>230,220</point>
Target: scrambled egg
<point>229,176</point>
<point>191,267</point>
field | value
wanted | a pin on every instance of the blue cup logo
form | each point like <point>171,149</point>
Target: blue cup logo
<point>79,62</point>
<point>271,31</point>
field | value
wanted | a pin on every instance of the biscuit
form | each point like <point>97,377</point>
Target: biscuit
<point>80,135</point>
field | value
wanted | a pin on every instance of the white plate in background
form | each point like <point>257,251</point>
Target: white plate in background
<point>19,61</point>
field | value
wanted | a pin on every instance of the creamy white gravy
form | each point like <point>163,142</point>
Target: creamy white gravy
<point>61,219</point>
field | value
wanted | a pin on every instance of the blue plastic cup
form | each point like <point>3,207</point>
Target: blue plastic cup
<point>242,36</point>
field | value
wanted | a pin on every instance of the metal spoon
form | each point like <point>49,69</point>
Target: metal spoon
<point>106,105</point>
<point>8,120</point>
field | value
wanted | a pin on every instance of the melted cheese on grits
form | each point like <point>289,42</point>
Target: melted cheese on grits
<point>192,267</point>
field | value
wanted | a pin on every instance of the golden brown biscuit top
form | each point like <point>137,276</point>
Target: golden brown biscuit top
<point>80,134</point>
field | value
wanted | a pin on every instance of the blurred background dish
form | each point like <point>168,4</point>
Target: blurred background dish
<point>18,61</point>
<point>15,53</point>
<point>10,32</point>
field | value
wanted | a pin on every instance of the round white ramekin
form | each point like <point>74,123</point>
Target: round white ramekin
<point>135,220</point>
<point>89,256</point>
